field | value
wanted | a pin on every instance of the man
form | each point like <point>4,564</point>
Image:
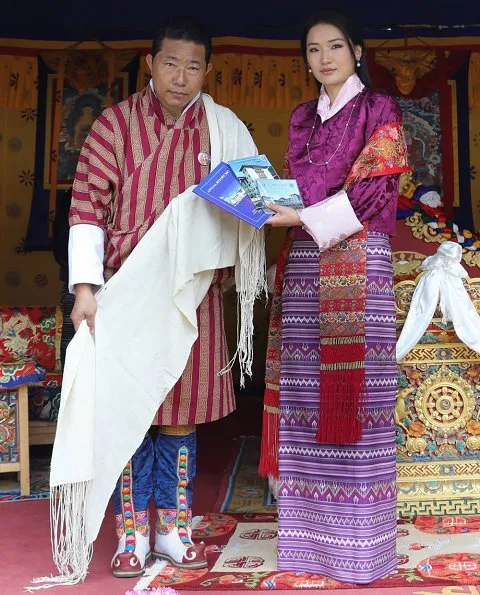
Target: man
<point>139,155</point>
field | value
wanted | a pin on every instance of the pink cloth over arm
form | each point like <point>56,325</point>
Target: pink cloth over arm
<point>330,221</point>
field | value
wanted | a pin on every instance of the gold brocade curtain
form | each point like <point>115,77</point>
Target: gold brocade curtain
<point>254,80</point>
<point>18,81</point>
<point>260,81</point>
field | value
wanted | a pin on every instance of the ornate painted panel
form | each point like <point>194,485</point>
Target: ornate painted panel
<point>8,426</point>
<point>438,410</point>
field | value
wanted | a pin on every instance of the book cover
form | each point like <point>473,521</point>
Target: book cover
<point>222,188</point>
<point>250,169</point>
<point>281,192</point>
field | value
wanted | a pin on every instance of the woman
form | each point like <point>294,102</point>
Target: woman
<point>335,396</point>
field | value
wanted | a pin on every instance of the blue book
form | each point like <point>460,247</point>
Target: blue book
<point>222,188</point>
<point>284,193</point>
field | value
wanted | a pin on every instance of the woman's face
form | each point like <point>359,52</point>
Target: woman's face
<point>329,55</point>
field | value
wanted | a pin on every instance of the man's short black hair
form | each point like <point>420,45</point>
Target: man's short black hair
<point>187,29</point>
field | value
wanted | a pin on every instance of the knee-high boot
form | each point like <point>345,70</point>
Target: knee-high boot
<point>130,501</point>
<point>174,472</point>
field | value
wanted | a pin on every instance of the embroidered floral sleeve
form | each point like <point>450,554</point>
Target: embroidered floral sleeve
<point>374,179</point>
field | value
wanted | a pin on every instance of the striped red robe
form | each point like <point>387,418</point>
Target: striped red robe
<point>136,158</point>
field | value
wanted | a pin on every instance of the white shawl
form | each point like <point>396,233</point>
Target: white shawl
<point>441,281</point>
<point>145,327</point>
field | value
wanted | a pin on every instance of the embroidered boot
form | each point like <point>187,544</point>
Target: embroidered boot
<point>175,467</point>
<point>130,500</point>
<point>133,551</point>
<point>173,542</point>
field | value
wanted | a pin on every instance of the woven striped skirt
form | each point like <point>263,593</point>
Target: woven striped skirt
<point>337,504</point>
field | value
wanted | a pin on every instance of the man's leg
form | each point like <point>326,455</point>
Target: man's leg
<point>130,502</point>
<point>175,467</point>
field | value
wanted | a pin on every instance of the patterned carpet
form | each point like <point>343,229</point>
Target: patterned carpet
<point>247,492</point>
<point>241,547</point>
<point>241,550</point>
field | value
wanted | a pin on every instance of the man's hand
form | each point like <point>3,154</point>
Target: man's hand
<point>85,307</point>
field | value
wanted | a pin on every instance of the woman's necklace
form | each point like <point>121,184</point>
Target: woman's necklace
<point>325,163</point>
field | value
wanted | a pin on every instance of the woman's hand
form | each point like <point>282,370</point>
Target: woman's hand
<point>284,216</point>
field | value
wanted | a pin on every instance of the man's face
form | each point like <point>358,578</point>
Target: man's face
<point>178,72</point>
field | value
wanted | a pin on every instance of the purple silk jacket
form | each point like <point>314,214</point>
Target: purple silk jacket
<point>373,199</point>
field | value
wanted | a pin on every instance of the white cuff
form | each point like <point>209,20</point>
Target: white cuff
<point>85,255</point>
<point>330,221</point>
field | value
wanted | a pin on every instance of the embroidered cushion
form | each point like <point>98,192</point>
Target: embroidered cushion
<point>20,372</point>
<point>31,333</point>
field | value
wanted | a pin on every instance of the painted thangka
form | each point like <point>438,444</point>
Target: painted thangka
<point>423,135</point>
<point>421,202</point>
<point>452,171</point>
<point>62,129</point>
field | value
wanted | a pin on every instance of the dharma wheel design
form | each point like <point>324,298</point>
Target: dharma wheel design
<point>445,401</point>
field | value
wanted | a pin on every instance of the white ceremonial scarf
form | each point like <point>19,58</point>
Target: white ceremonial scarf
<point>442,281</point>
<point>145,327</point>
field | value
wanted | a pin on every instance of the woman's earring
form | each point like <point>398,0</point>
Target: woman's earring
<point>358,62</point>
<point>309,70</point>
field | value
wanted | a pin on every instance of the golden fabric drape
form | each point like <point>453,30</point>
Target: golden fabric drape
<point>18,81</point>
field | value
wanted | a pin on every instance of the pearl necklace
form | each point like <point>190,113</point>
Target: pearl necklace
<point>325,163</point>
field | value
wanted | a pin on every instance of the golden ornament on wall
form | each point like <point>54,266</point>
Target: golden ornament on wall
<point>471,258</point>
<point>417,445</point>
<point>445,401</point>
<point>403,297</point>
<point>423,231</point>
<point>474,292</point>
<point>473,443</point>
<point>405,183</point>
<point>407,263</point>
<point>407,66</point>
<point>400,406</point>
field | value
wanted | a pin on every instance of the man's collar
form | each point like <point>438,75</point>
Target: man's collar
<point>196,98</point>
